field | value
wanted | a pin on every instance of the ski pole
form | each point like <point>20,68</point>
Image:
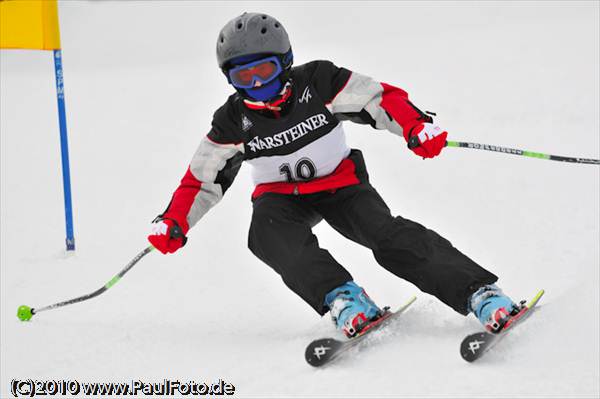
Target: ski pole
<point>515,151</point>
<point>24,313</point>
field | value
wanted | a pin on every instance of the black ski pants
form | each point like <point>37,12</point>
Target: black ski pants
<point>281,236</point>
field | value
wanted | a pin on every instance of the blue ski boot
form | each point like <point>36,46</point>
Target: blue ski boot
<point>351,308</point>
<point>492,307</point>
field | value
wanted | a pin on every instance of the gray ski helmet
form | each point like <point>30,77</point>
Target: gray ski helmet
<point>251,33</point>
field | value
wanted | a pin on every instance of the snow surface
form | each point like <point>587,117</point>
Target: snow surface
<point>141,85</point>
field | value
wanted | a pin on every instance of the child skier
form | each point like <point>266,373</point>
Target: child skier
<point>287,124</point>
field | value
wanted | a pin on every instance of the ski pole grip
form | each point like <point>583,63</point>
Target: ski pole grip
<point>413,142</point>
<point>176,232</point>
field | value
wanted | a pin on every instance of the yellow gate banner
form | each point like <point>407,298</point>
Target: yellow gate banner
<point>29,24</point>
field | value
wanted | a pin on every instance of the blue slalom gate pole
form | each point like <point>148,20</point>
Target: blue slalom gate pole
<point>64,149</point>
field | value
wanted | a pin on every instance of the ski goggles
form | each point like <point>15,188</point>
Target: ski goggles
<point>263,71</point>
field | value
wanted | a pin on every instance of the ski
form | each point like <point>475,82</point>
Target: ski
<point>323,351</point>
<point>475,345</point>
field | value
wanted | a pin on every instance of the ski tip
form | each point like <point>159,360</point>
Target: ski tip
<point>474,345</point>
<point>321,351</point>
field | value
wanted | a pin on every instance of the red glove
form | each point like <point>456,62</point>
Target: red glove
<point>167,236</point>
<point>426,139</point>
